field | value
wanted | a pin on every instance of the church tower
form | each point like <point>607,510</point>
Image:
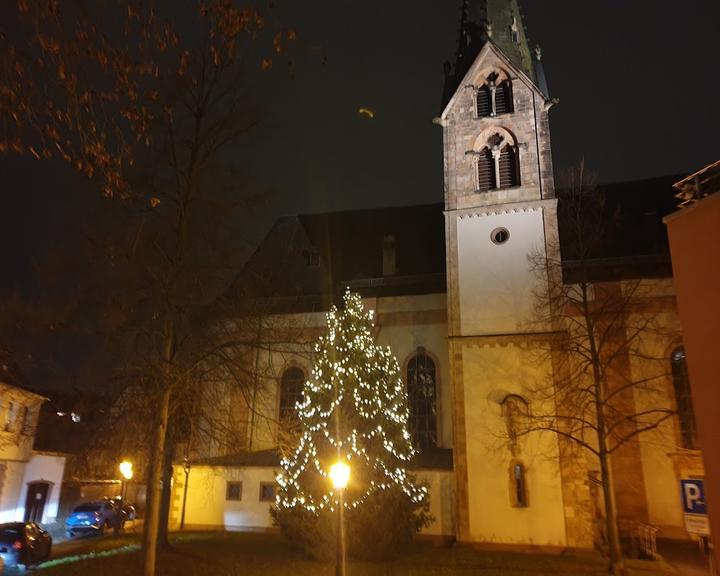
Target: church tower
<point>500,212</point>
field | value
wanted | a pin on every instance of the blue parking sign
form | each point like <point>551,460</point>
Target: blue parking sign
<point>693,496</point>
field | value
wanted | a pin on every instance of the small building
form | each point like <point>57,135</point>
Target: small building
<point>30,481</point>
<point>236,492</point>
<point>694,233</point>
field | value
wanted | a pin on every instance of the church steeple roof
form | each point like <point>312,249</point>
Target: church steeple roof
<point>498,21</point>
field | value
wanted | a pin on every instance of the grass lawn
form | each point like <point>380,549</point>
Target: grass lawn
<point>236,554</point>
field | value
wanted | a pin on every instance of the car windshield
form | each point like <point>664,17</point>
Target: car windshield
<point>87,508</point>
<point>9,533</point>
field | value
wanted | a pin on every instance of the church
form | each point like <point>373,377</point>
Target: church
<point>454,288</point>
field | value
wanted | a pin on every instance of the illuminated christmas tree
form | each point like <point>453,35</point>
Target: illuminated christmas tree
<point>354,409</point>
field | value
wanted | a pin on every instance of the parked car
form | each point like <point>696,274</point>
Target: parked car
<point>24,543</point>
<point>94,517</point>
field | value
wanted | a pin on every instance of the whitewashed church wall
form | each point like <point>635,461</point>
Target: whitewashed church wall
<point>497,288</point>
<point>490,374</point>
<point>441,486</point>
<point>404,341</point>
<point>405,323</point>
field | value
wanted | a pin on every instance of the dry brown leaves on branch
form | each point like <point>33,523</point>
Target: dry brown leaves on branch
<point>89,83</point>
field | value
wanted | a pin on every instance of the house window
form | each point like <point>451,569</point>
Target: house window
<point>26,421</point>
<point>518,483</point>
<point>422,391</point>
<point>291,389</point>
<point>233,491</point>
<point>497,161</point>
<point>11,418</point>
<point>267,492</point>
<point>683,399</point>
<point>494,96</point>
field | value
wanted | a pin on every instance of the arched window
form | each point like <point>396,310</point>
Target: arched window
<point>494,95</point>
<point>518,485</point>
<point>496,160</point>
<point>683,399</point>
<point>422,393</point>
<point>291,388</point>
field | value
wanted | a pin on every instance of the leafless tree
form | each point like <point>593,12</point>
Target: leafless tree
<point>597,329</point>
<point>147,100</point>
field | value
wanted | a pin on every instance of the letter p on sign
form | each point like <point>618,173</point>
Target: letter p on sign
<point>693,496</point>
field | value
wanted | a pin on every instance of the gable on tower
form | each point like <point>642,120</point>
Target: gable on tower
<point>497,23</point>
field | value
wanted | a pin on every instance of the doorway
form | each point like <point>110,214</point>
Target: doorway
<point>37,493</point>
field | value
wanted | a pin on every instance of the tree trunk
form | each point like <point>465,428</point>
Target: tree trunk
<point>169,453</point>
<point>154,488</point>
<point>617,566</point>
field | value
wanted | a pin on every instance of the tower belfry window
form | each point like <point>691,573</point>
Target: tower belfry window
<point>494,96</point>
<point>497,162</point>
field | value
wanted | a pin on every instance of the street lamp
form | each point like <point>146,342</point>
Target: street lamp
<point>186,469</point>
<point>340,475</point>
<point>126,470</point>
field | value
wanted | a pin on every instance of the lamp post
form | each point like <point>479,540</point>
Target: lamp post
<point>186,470</point>
<point>126,470</point>
<point>340,475</point>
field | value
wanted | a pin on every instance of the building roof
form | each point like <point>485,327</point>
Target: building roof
<point>698,185</point>
<point>306,261</point>
<point>634,243</point>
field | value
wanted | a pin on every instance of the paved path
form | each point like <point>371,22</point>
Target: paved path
<point>684,556</point>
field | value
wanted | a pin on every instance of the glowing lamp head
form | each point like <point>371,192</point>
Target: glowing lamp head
<point>340,475</point>
<point>126,469</point>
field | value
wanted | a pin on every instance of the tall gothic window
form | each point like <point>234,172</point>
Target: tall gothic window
<point>683,399</point>
<point>494,97</point>
<point>291,388</point>
<point>422,394</point>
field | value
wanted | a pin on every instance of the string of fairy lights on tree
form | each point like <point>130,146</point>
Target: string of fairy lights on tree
<point>353,409</point>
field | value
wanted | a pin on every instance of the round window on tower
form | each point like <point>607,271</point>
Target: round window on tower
<point>500,235</point>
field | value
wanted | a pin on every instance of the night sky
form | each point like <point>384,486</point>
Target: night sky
<point>637,80</point>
